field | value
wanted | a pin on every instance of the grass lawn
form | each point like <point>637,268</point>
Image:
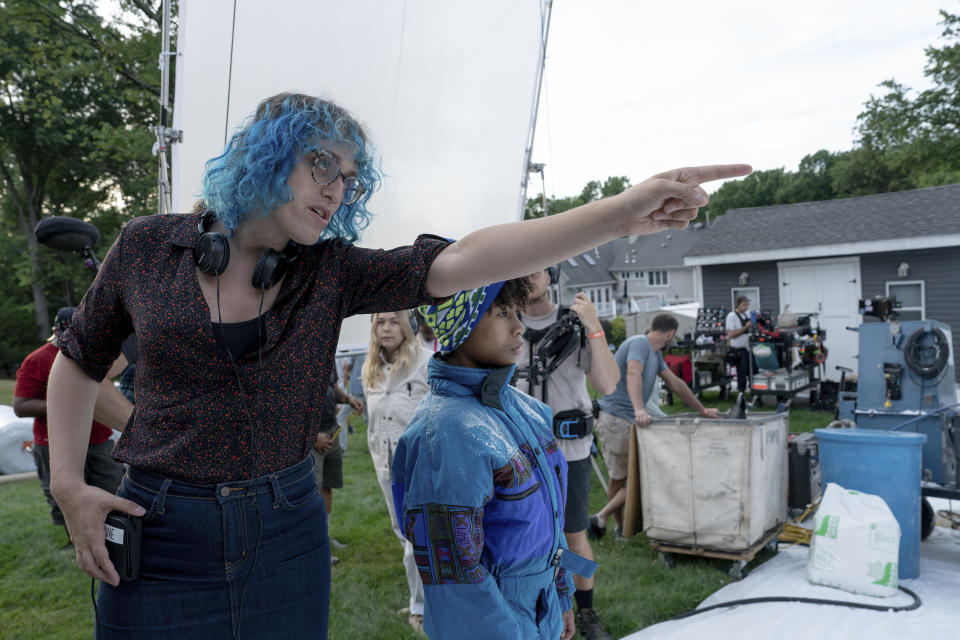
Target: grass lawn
<point>6,390</point>
<point>44,596</point>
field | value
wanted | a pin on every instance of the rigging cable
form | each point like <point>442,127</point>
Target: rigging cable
<point>233,33</point>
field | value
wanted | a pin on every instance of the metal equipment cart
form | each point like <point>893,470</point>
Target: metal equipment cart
<point>738,560</point>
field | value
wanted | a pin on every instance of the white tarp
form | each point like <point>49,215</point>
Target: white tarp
<point>445,89</point>
<point>15,434</point>
<point>785,575</point>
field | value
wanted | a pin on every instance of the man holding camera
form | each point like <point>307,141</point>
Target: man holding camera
<point>550,327</point>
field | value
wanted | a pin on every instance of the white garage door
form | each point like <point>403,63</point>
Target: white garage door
<point>831,289</point>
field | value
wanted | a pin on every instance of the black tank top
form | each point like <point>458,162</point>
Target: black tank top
<point>241,338</point>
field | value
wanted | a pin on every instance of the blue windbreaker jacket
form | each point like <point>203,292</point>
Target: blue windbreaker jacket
<point>479,484</point>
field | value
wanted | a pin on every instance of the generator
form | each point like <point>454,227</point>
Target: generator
<point>906,381</point>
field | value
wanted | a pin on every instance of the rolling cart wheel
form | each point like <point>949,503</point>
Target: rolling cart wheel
<point>737,569</point>
<point>928,519</point>
<point>667,558</point>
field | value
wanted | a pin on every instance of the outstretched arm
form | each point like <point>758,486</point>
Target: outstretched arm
<point>680,388</point>
<point>635,392</point>
<point>666,201</point>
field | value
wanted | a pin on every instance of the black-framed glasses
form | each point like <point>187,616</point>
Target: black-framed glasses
<point>326,169</point>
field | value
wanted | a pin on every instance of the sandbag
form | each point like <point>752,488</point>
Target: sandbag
<point>787,318</point>
<point>855,543</point>
<point>14,457</point>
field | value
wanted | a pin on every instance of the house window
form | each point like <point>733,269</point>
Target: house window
<point>606,295</point>
<point>751,292</point>
<point>912,298</point>
<point>658,278</point>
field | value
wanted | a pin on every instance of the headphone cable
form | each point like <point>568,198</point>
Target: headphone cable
<point>253,445</point>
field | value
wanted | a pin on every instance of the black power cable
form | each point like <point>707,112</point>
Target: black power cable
<point>855,605</point>
<point>917,357</point>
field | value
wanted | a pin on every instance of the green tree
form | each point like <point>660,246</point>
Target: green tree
<point>760,188</point>
<point>919,137</point>
<point>593,190</point>
<point>79,94</point>
<point>618,331</point>
<point>905,142</point>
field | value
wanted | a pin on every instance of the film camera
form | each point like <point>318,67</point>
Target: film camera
<point>554,345</point>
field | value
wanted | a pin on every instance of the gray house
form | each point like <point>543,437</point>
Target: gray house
<point>823,257</point>
<point>650,270</point>
<point>589,272</point>
<point>633,274</point>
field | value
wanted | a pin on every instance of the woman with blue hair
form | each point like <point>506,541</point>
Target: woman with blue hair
<point>237,309</point>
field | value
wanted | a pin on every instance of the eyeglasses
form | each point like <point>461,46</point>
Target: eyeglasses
<point>326,169</point>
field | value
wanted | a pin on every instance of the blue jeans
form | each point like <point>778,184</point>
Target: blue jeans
<point>246,559</point>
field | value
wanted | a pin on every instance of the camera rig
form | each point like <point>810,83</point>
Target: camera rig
<point>556,343</point>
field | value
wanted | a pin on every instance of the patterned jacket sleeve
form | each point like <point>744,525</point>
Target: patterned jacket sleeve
<point>563,590</point>
<point>463,600</point>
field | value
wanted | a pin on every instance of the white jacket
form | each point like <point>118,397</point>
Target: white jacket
<point>390,408</point>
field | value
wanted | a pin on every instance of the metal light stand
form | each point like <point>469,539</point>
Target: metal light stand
<point>90,259</point>
<point>165,135</point>
<point>546,10</point>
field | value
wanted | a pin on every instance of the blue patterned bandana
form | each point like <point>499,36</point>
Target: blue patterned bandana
<point>453,320</point>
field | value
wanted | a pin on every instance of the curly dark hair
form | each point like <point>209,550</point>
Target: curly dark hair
<point>514,292</point>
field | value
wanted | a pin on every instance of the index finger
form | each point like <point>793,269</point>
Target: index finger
<point>706,173</point>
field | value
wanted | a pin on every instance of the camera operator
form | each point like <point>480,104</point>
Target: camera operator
<point>564,388</point>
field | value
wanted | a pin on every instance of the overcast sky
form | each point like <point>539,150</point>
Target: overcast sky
<point>636,87</point>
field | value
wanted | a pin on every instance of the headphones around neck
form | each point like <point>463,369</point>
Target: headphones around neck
<point>212,255</point>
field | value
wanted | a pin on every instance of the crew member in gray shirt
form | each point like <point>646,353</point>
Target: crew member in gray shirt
<point>640,363</point>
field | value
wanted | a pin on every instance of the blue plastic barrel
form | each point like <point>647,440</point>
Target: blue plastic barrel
<point>886,464</point>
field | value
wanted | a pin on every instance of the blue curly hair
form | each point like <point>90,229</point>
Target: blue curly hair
<point>250,177</point>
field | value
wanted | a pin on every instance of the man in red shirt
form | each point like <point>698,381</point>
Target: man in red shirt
<point>30,400</point>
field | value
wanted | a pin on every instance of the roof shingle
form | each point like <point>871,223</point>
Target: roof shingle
<point>933,211</point>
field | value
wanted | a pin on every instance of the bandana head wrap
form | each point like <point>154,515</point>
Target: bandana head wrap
<point>453,320</point>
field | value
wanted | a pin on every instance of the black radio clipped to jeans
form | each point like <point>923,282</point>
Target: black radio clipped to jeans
<point>123,533</point>
<point>572,424</point>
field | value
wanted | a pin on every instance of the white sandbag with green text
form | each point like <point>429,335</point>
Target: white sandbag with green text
<point>855,543</point>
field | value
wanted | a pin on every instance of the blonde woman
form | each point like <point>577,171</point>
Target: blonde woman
<point>394,380</point>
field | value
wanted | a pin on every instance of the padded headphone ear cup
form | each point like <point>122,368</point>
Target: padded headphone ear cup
<point>272,265</point>
<point>266,269</point>
<point>554,273</point>
<point>212,253</point>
